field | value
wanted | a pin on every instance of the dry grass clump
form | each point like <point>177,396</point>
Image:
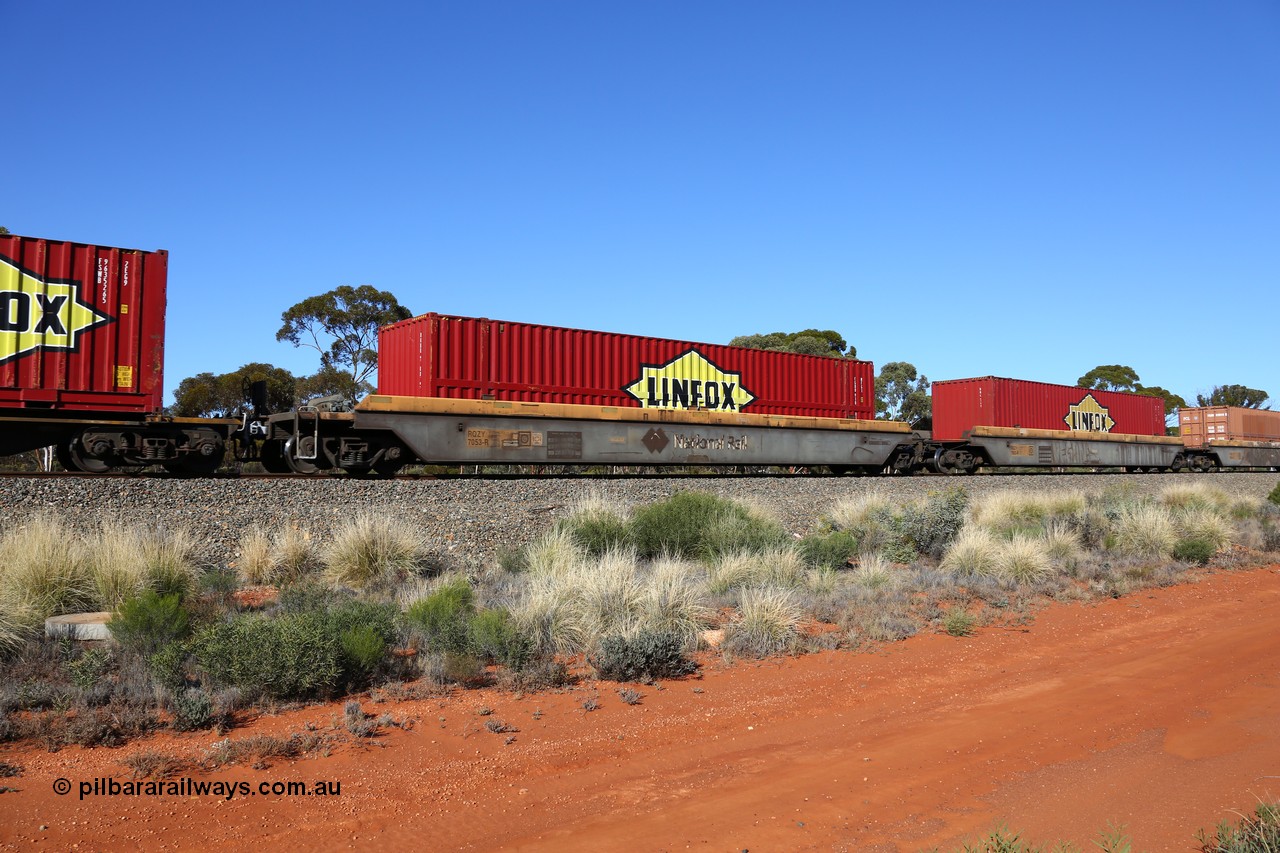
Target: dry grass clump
<point>115,566</point>
<point>1145,530</point>
<point>674,602</point>
<point>873,571</point>
<point>781,566</point>
<point>571,600</point>
<point>1063,543</point>
<point>43,564</point>
<point>372,550</point>
<point>1206,525</point>
<point>171,559</point>
<point>855,512</point>
<point>769,623</point>
<point>279,557</point>
<point>1008,510</point>
<point>1023,559</point>
<point>974,552</point>
<point>19,621</point>
<point>1197,495</point>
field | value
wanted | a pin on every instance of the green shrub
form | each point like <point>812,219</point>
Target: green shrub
<point>959,623</point>
<point>1194,550</point>
<point>149,622</point>
<point>441,616</point>
<point>363,651</point>
<point>168,666</point>
<point>647,656</point>
<point>1274,495</point>
<point>828,550</point>
<point>595,527</point>
<point>929,526</point>
<point>700,525</point>
<point>192,709</point>
<point>491,636</point>
<point>294,656</point>
<point>89,668</point>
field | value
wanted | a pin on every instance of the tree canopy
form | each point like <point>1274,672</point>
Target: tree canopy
<point>342,325</point>
<point>901,393</point>
<point>1110,377</point>
<point>1233,395</point>
<point>807,342</point>
<point>1121,377</point>
<point>209,395</point>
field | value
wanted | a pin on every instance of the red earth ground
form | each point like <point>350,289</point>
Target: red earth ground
<point>1159,712</point>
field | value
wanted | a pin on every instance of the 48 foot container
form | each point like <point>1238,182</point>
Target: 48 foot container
<point>437,355</point>
<point>959,405</point>
<point>81,327</point>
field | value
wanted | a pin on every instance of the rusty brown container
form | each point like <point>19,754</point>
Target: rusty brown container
<point>81,327</point>
<point>437,355</point>
<point>1227,423</point>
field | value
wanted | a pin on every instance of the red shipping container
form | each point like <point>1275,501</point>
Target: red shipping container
<point>959,405</point>
<point>1227,423</point>
<point>81,327</point>
<point>470,358</point>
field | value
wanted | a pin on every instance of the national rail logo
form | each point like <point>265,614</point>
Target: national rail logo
<point>39,314</point>
<point>1089,416</point>
<point>689,381</point>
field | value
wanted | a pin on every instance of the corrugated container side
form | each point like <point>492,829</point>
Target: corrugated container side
<point>1229,423</point>
<point>959,405</point>
<point>81,326</point>
<point>437,355</point>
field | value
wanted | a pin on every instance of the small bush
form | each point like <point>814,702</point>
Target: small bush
<point>356,721</point>
<point>149,622</point>
<point>629,696</point>
<point>492,636</point>
<point>153,764</point>
<point>168,666</point>
<point>1257,833</point>
<point>929,526</point>
<point>295,656</point>
<point>363,651</point>
<point>959,623</point>
<point>1206,525</point>
<point>1274,495</point>
<point>89,668</point>
<point>440,617</point>
<point>697,525</point>
<point>192,709</point>
<point>1198,551</point>
<point>673,602</point>
<point>828,550</point>
<point>873,571</point>
<point>596,527</point>
<point>647,656</point>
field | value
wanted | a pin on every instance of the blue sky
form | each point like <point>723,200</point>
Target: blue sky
<point>1010,188</point>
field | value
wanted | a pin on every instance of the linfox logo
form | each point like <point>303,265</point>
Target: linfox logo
<point>689,381</point>
<point>38,314</point>
<point>1089,416</point>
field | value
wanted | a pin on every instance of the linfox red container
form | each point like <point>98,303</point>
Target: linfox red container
<point>81,327</point>
<point>436,355</point>
<point>959,405</point>
<point>1227,423</point>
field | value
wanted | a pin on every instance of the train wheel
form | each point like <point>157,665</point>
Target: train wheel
<point>73,459</point>
<point>300,466</point>
<point>272,457</point>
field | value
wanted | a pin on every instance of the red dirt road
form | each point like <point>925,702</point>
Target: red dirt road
<point>1160,712</point>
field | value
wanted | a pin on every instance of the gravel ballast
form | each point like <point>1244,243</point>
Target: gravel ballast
<point>468,521</point>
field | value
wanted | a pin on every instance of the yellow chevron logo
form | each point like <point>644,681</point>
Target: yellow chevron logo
<point>1089,416</point>
<point>689,381</point>
<point>37,314</point>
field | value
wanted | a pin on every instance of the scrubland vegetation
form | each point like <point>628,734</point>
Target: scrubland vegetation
<point>629,594</point>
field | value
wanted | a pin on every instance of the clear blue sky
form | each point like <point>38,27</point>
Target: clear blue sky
<point>1024,189</point>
